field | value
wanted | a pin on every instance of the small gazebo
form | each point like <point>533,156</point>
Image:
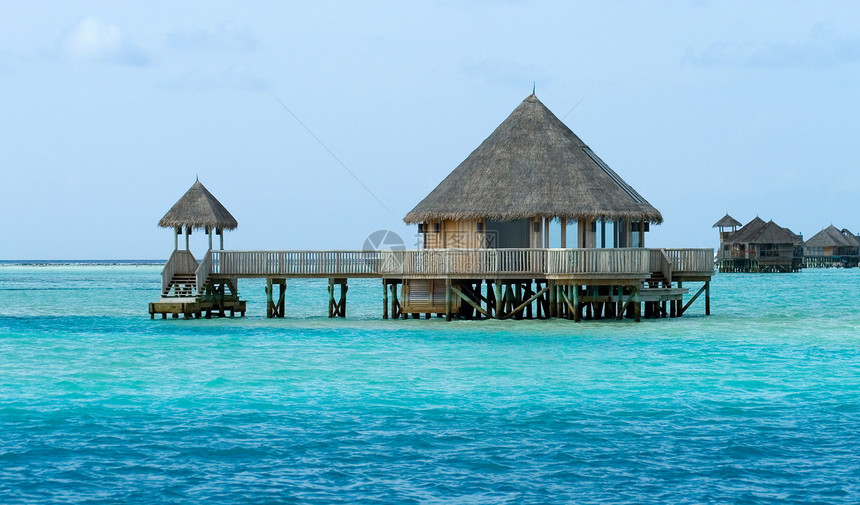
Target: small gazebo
<point>198,209</point>
<point>530,171</point>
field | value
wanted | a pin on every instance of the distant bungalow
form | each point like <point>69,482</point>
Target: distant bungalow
<point>485,249</point>
<point>758,246</point>
<point>832,247</point>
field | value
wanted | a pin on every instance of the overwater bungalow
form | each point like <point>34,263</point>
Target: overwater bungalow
<point>832,247</point>
<point>485,249</point>
<point>761,246</point>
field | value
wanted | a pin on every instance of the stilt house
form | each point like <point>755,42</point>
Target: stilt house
<point>761,246</point>
<point>832,247</point>
<point>530,171</point>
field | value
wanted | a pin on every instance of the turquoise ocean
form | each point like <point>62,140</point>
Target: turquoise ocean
<point>757,403</point>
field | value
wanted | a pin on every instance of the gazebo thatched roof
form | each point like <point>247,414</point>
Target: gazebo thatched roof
<point>532,165</point>
<point>198,209</point>
<point>759,232</point>
<point>833,237</point>
<point>727,222</point>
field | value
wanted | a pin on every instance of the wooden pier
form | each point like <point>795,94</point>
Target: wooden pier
<point>453,283</point>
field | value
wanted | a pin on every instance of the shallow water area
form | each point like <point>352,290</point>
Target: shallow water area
<point>757,403</point>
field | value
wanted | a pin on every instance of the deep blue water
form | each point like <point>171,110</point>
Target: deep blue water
<point>758,403</point>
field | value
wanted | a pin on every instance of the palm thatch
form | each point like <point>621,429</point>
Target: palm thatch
<point>532,165</point>
<point>727,222</point>
<point>833,237</point>
<point>198,209</point>
<point>759,232</point>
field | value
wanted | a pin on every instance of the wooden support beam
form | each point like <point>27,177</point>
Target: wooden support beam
<point>567,301</point>
<point>468,300</point>
<point>626,302</point>
<point>701,290</point>
<point>530,300</point>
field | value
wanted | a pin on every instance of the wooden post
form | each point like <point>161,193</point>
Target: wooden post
<point>707,298</point>
<point>384,300</point>
<point>331,305</point>
<point>282,284</point>
<point>497,287</point>
<point>553,299</point>
<point>187,235</point>
<point>637,306</point>
<point>641,233</point>
<point>448,316</point>
<point>546,233</point>
<point>563,233</point>
<point>209,233</point>
<point>221,238</point>
<point>395,303</point>
<point>577,314</point>
<point>176,232</point>
<point>270,303</point>
<point>603,234</point>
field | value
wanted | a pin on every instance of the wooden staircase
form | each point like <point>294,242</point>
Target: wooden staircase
<point>181,286</point>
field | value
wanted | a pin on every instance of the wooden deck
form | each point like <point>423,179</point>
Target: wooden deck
<point>554,279</point>
<point>564,264</point>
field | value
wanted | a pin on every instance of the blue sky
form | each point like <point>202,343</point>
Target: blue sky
<point>111,109</point>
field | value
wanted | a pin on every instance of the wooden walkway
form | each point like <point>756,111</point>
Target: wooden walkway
<point>640,275</point>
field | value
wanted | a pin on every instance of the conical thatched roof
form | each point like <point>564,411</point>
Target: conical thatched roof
<point>833,237</point>
<point>727,222</point>
<point>759,232</point>
<point>532,165</point>
<point>198,209</point>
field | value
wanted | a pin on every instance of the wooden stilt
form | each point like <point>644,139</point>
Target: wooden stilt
<point>384,300</point>
<point>497,289</point>
<point>707,298</point>
<point>448,299</point>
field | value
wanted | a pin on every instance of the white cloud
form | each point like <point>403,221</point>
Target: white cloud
<point>225,37</point>
<point>822,48</point>
<point>93,40</point>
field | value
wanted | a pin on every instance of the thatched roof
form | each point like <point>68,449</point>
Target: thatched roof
<point>198,209</point>
<point>833,237</point>
<point>759,232</point>
<point>727,222</point>
<point>532,165</point>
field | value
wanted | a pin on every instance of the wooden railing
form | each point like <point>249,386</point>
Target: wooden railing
<point>457,262</point>
<point>180,262</point>
<point>691,260</point>
<point>464,262</point>
<point>203,271</point>
<point>288,263</point>
<point>633,261</point>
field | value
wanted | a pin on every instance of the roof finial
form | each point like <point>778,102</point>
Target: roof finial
<point>533,87</point>
<point>196,177</point>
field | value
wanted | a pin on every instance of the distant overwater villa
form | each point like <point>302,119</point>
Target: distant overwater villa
<point>484,244</point>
